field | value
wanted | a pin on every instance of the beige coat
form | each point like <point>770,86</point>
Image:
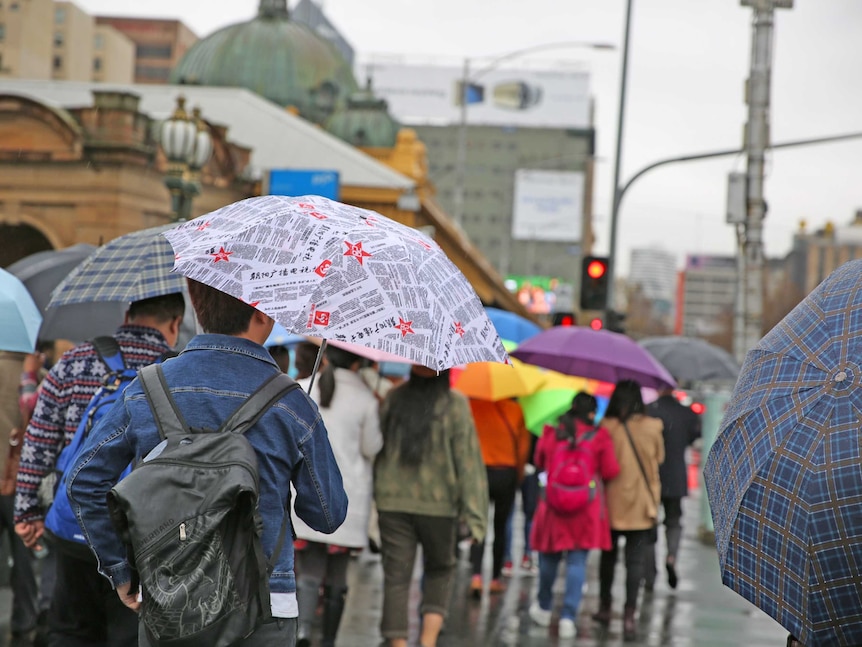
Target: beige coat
<point>11,365</point>
<point>630,505</point>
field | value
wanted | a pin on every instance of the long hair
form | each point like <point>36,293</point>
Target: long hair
<point>626,401</point>
<point>338,358</point>
<point>584,407</point>
<point>410,416</point>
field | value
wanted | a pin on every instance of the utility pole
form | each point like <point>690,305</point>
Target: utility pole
<point>750,255</point>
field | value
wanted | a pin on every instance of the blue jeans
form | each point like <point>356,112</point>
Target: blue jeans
<point>576,570</point>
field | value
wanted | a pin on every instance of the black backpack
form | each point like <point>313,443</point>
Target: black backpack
<point>188,514</point>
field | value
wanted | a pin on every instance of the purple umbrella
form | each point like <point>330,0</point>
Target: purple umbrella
<point>595,354</point>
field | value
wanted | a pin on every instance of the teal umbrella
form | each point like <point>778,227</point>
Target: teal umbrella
<point>19,317</point>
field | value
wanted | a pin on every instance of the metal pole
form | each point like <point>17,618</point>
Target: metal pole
<point>461,152</point>
<point>750,258</point>
<point>612,260</point>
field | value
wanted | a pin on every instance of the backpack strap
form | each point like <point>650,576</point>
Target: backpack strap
<point>258,403</point>
<point>169,420</point>
<point>109,352</point>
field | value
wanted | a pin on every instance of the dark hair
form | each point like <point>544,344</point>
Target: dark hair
<point>280,354</point>
<point>626,401</point>
<point>217,311</point>
<point>410,416</point>
<point>338,358</point>
<point>583,405</point>
<point>305,354</point>
<point>162,308</point>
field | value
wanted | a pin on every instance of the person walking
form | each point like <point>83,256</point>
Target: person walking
<point>632,497</point>
<point>681,428</point>
<point>428,475</point>
<point>505,443</point>
<point>22,623</point>
<point>349,410</point>
<point>555,534</point>
<point>217,371</point>
<point>84,609</point>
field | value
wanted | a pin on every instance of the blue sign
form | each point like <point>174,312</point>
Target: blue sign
<point>304,182</point>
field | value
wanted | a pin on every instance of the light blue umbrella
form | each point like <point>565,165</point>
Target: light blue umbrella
<point>511,326</point>
<point>19,316</point>
<point>280,337</point>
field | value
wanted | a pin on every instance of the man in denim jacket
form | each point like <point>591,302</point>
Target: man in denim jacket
<point>215,373</point>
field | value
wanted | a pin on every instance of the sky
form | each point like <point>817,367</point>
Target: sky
<point>688,62</point>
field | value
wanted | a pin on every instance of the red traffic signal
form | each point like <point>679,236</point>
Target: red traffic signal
<point>564,319</point>
<point>596,269</point>
<point>596,324</point>
<point>698,407</point>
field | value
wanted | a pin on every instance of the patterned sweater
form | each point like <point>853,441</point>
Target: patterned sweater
<point>63,397</point>
<point>451,481</point>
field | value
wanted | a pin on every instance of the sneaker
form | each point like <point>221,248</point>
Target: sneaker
<point>476,586</point>
<point>567,628</point>
<point>496,586</point>
<point>527,565</point>
<point>507,568</point>
<point>539,615</point>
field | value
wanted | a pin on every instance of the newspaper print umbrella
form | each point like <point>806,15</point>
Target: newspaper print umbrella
<point>784,476</point>
<point>129,268</point>
<point>325,269</point>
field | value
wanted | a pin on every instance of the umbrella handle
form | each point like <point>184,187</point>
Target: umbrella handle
<point>317,361</point>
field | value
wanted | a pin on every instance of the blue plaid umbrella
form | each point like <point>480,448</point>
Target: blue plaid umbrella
<point>784,477</point>
<point>129,268</point>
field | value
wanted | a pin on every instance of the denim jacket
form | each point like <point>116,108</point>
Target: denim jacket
<point>209,380</point>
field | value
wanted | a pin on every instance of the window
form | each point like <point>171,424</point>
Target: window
<point>58,62</point>
<point>13,6</point>
<point>2,31</point>
<point>153,51</point>
<point>59,15</point>
<point>98,41</point>
<point>97,64</point>
<point>152,73</point>
<point>58,39</point>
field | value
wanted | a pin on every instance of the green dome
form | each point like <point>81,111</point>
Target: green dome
<point>278,59</point>
<point>364,121</point>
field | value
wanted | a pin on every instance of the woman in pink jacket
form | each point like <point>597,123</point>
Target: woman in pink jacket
<point>575,534</point>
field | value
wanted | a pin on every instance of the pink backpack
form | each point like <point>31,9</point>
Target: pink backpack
<point>572,476</point>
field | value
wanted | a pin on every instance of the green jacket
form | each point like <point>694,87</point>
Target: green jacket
<point>451,481</point>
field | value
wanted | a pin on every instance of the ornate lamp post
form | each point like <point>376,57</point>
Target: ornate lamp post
<point>187,144</point>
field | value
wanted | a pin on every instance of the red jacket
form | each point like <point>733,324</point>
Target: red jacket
<point>586,529</point>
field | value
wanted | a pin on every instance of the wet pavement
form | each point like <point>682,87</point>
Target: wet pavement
<point>699,613</point>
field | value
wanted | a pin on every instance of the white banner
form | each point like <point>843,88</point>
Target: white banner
<point>429,95</point>
<point>548,205</point>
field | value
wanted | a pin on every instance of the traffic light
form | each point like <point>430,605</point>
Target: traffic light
<point>564,319</point>
<point>594,282</point>
<point>596,323</point>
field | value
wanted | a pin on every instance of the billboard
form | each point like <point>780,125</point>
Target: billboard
<point>432,95</point>
<point>548,205</point>
<point>295,182</point>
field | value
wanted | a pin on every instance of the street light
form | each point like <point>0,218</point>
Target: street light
<point>187,144</point>
<point>466,80</point>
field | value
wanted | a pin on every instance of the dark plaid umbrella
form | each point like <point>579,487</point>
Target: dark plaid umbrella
<point>784,477</point>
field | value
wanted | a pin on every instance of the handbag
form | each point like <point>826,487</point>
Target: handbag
<point>653,532</point>
<point>13,458</point>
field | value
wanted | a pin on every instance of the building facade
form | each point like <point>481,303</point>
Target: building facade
<point>159,45</point>
<point>42,39</point>
<point>706,297</point>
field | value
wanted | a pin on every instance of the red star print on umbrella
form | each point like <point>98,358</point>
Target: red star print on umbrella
<point>221,255</point>
<point>355,250</point>
<point>459,329</point>
<point>406,327</point>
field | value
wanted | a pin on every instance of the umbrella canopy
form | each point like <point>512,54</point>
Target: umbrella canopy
<point>335,271</point>
<point>690,359</point>
<point>42,272</point>
<point>494,381</point>
<point>280,337</point>
<point>595,354</point>
<point>783,476</point>
<point>19,316</point>
<point>130,268</point>
<point>512,327</point>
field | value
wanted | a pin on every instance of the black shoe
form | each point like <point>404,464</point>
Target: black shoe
<point>672,579</point>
